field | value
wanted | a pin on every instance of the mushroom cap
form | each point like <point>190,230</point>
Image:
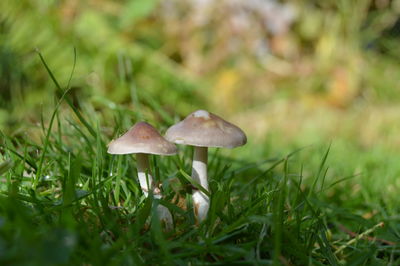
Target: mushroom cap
<point>204,129</point>
<point>142,138</point>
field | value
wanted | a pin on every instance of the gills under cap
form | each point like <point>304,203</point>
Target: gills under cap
<point>204,129</point>
<point>142,138</point>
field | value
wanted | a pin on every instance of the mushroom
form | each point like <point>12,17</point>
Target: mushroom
<point>143,139</point>
<point>202,129</point>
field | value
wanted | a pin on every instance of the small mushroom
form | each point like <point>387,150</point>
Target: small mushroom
<point>202,129</point>
<point>143,139</point>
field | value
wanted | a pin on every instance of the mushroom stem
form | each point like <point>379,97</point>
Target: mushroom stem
<point>144,175</point>
<point>199,174</point>
<point>147,184</point>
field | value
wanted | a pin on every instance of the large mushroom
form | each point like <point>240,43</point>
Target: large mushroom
<point>202,129</point>
<point>143,139</point>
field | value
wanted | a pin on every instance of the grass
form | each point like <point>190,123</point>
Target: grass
<point>316,184</point>
<point>65,201</point>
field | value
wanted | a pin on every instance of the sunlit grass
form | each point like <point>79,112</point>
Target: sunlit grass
<point>65,200</point>
<point>316,184</point>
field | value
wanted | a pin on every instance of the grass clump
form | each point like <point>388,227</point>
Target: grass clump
<point>64,200</point>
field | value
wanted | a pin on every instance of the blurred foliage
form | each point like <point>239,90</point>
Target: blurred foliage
<point>303,70</point>
<point>111,66</point>
<point>231,54</point>
<point>326,68</point>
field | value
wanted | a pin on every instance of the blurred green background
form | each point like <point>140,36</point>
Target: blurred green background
<point>291,74</point>
<point>325,68</point>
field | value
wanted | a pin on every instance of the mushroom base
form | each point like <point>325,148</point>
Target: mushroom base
<point>147,184</point>
<point>201,201</point>
<point>201,204</point>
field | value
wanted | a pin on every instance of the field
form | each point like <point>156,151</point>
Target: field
<point>316,88</point>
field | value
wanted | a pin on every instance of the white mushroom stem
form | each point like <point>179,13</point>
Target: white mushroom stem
<point>144,175</point>
<point>201,201</point>
<point>147,184</point>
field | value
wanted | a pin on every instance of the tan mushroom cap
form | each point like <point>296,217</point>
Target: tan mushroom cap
<point>142,138</point>
<point>204,129</point>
